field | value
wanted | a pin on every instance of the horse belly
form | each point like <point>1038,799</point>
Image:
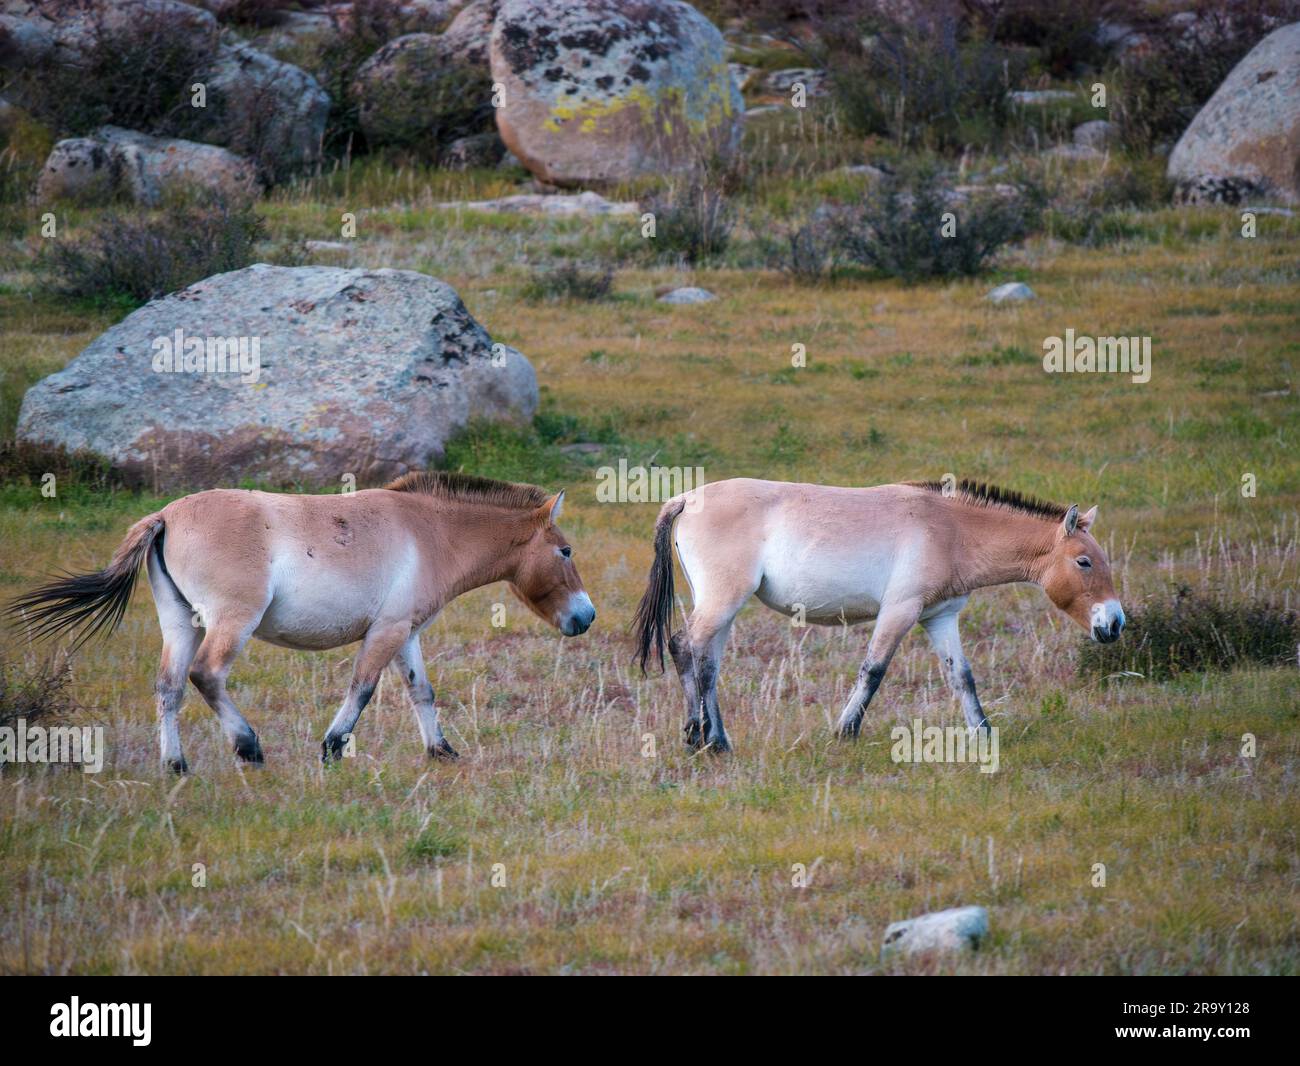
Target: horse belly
<point>829,588</point>
<point>314,608</point>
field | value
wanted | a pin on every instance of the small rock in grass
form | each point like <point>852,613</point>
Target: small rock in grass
<point>687,295</point>
<point>1011,292</point>
<point>958,929</point>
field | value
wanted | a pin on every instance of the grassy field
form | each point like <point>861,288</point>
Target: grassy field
<point>576,834</point>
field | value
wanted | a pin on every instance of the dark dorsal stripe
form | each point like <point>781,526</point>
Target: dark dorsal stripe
<point>979,494</point>
<point>469,487</point>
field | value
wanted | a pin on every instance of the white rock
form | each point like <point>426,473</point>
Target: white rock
<point>1036,97</point>
<point>1096,134</point>
<point>1011,292</point>
<point>583,203</point>
<point>687,295</point>
<point>957,929</point>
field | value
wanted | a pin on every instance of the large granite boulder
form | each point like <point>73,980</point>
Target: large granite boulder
<point>602,91</point>
<point>114,162</point>
<point>418,92</point>
<point>282,375</point>
<point>1245,142</point>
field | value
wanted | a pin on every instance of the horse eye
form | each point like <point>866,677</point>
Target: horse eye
<point>1084,561</point>
<point>566,551</point>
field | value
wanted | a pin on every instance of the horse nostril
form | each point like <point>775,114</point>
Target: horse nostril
<point>1115,627</point>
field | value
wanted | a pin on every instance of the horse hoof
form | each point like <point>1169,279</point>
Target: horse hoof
<point>719,747</point>
<point>443,750</point>
<point>847,732</point>
<point>177,766</point>
<point>694,738</point>
<point>331,750</point>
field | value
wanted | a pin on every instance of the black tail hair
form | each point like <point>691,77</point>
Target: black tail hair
<point>655,611</point>
<point>89,603</point>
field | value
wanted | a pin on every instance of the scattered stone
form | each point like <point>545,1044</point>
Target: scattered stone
<point>1245,141</point>
<point>584,203</point>
<point>470,33</point>
<point>689,294</point>
<point>780,81</point>
<point>1011,292</point>
<point>604,91</point>
<point>1098,134</point>
<point>1039,97</point>
<point>958,929</point>
<point>476,150</point>
<point>363,372</point>
<point>1075,153</point>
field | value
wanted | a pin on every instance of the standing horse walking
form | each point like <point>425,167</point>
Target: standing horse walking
<point>900,554</point>
<point>317,572</point>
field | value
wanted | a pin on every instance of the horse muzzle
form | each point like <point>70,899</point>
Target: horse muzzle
<point>1107,622</point>
<point>580,615</point>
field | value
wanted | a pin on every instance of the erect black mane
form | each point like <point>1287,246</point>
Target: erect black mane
<point>979,494</point>
<point>454,486</point>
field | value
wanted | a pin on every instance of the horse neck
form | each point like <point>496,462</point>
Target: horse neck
<point>1001,547</point>
<point>484,546</point>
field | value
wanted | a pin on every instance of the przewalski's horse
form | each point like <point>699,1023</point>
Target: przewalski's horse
<point>317,572</point>
<point>901,554</point>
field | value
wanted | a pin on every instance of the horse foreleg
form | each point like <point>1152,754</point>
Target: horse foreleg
<point>681,653</point>
<point>409,661</point>
<point>891,627</point>
<point>946,639</point>
<point>377,651</point>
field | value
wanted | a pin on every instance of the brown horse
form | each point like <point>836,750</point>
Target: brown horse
<point>901,554</point>
<point>317,572</point>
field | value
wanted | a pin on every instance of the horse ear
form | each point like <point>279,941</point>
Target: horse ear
<point>1071,520</point>
<point>1086,520</point>
<point>551,509</point>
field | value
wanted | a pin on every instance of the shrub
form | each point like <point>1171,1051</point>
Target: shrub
<point>694,220</point>
<point>1179,70</point>
<point>38,695</point>
<point>1064,34</point>
<point>1189,632</point>
<point>570,281</point>
<point>135,74</point>
<point>899,229</point>
<point>923,83</point>
<point>139,257</point>
<point>806,250</point>
<point>26,463</point>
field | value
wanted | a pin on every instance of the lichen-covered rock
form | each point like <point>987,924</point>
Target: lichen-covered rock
<point>602,91</point>
<point>114,162</point>
<point>1245,142</point>
<point>418,92</point>
<point>282,375</point>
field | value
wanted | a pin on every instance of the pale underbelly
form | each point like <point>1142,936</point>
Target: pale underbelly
<point>818,606</point>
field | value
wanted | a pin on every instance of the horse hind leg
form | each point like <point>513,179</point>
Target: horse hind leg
<point>708,638</point>
<point>181,639</point>
<point>679,648</point>
<point>227,633</point>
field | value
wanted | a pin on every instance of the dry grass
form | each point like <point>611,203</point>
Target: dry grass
<point>618,862</point>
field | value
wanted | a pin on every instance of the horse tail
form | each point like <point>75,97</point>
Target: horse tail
<point>655,611</point>
<point>89,603</point>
